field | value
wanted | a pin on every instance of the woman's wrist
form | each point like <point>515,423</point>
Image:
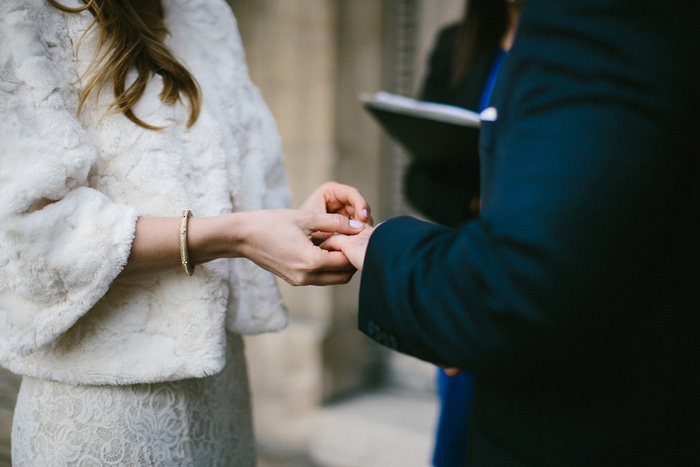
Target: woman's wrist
<point>215,237</point>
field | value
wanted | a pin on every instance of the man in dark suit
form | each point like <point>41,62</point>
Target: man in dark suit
<point>575,297</point>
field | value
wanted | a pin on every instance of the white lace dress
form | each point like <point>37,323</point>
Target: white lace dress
<point>202,421</point>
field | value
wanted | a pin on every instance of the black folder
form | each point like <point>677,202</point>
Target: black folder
<point>435,134</point>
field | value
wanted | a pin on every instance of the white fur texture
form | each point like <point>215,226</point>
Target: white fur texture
<point>72,187</point>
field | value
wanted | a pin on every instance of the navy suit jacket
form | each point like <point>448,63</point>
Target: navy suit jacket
<point>575,297</point>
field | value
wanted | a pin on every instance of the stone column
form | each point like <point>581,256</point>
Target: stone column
<point>411,31</point>
<point>310,58</point>
<point>350,360</point>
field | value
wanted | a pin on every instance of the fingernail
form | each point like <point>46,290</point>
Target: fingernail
<point>364,211</point>
<point>336,233</point>
<point>355,224</point>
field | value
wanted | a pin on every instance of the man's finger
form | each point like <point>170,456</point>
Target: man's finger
<point>320,237</point>
<point>334,243</point>
<point>331,261</point>
<point>452,371</point>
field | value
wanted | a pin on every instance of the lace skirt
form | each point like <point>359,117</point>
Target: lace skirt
<point>203,421</point>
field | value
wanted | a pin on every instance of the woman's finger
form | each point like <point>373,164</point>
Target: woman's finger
<point>331,278</point>
<point>317,222</point>
<point>339,196</point>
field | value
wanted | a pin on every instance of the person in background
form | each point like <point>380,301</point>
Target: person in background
<point>462,72</point>
<point>574,297</point>
<point>119,119</point>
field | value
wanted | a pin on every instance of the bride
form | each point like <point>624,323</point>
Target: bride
<point>141,187</point>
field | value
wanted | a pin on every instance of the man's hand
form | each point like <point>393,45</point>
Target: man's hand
<point>452,371</point>
<point>353,246</point>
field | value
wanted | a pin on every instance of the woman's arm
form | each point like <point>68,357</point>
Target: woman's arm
<point>276,240</point>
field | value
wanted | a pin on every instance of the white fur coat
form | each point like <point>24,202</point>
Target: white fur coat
<point>72,187</point>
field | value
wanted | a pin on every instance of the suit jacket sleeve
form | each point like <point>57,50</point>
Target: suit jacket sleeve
<point>583,176</point>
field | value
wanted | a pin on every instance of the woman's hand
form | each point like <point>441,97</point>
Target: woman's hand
<point>279,241</point>
<point>332,197</point>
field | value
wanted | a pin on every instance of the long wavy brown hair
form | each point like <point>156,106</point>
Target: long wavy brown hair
<point>484,24</point>
<point>131,36</point>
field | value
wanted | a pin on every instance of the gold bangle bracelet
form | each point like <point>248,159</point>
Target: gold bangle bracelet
<point>184,250</point>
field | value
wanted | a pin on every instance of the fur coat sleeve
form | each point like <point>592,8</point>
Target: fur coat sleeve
<point>62,242</point>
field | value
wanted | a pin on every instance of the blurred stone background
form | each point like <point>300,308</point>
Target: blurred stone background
<point>323,393</point>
